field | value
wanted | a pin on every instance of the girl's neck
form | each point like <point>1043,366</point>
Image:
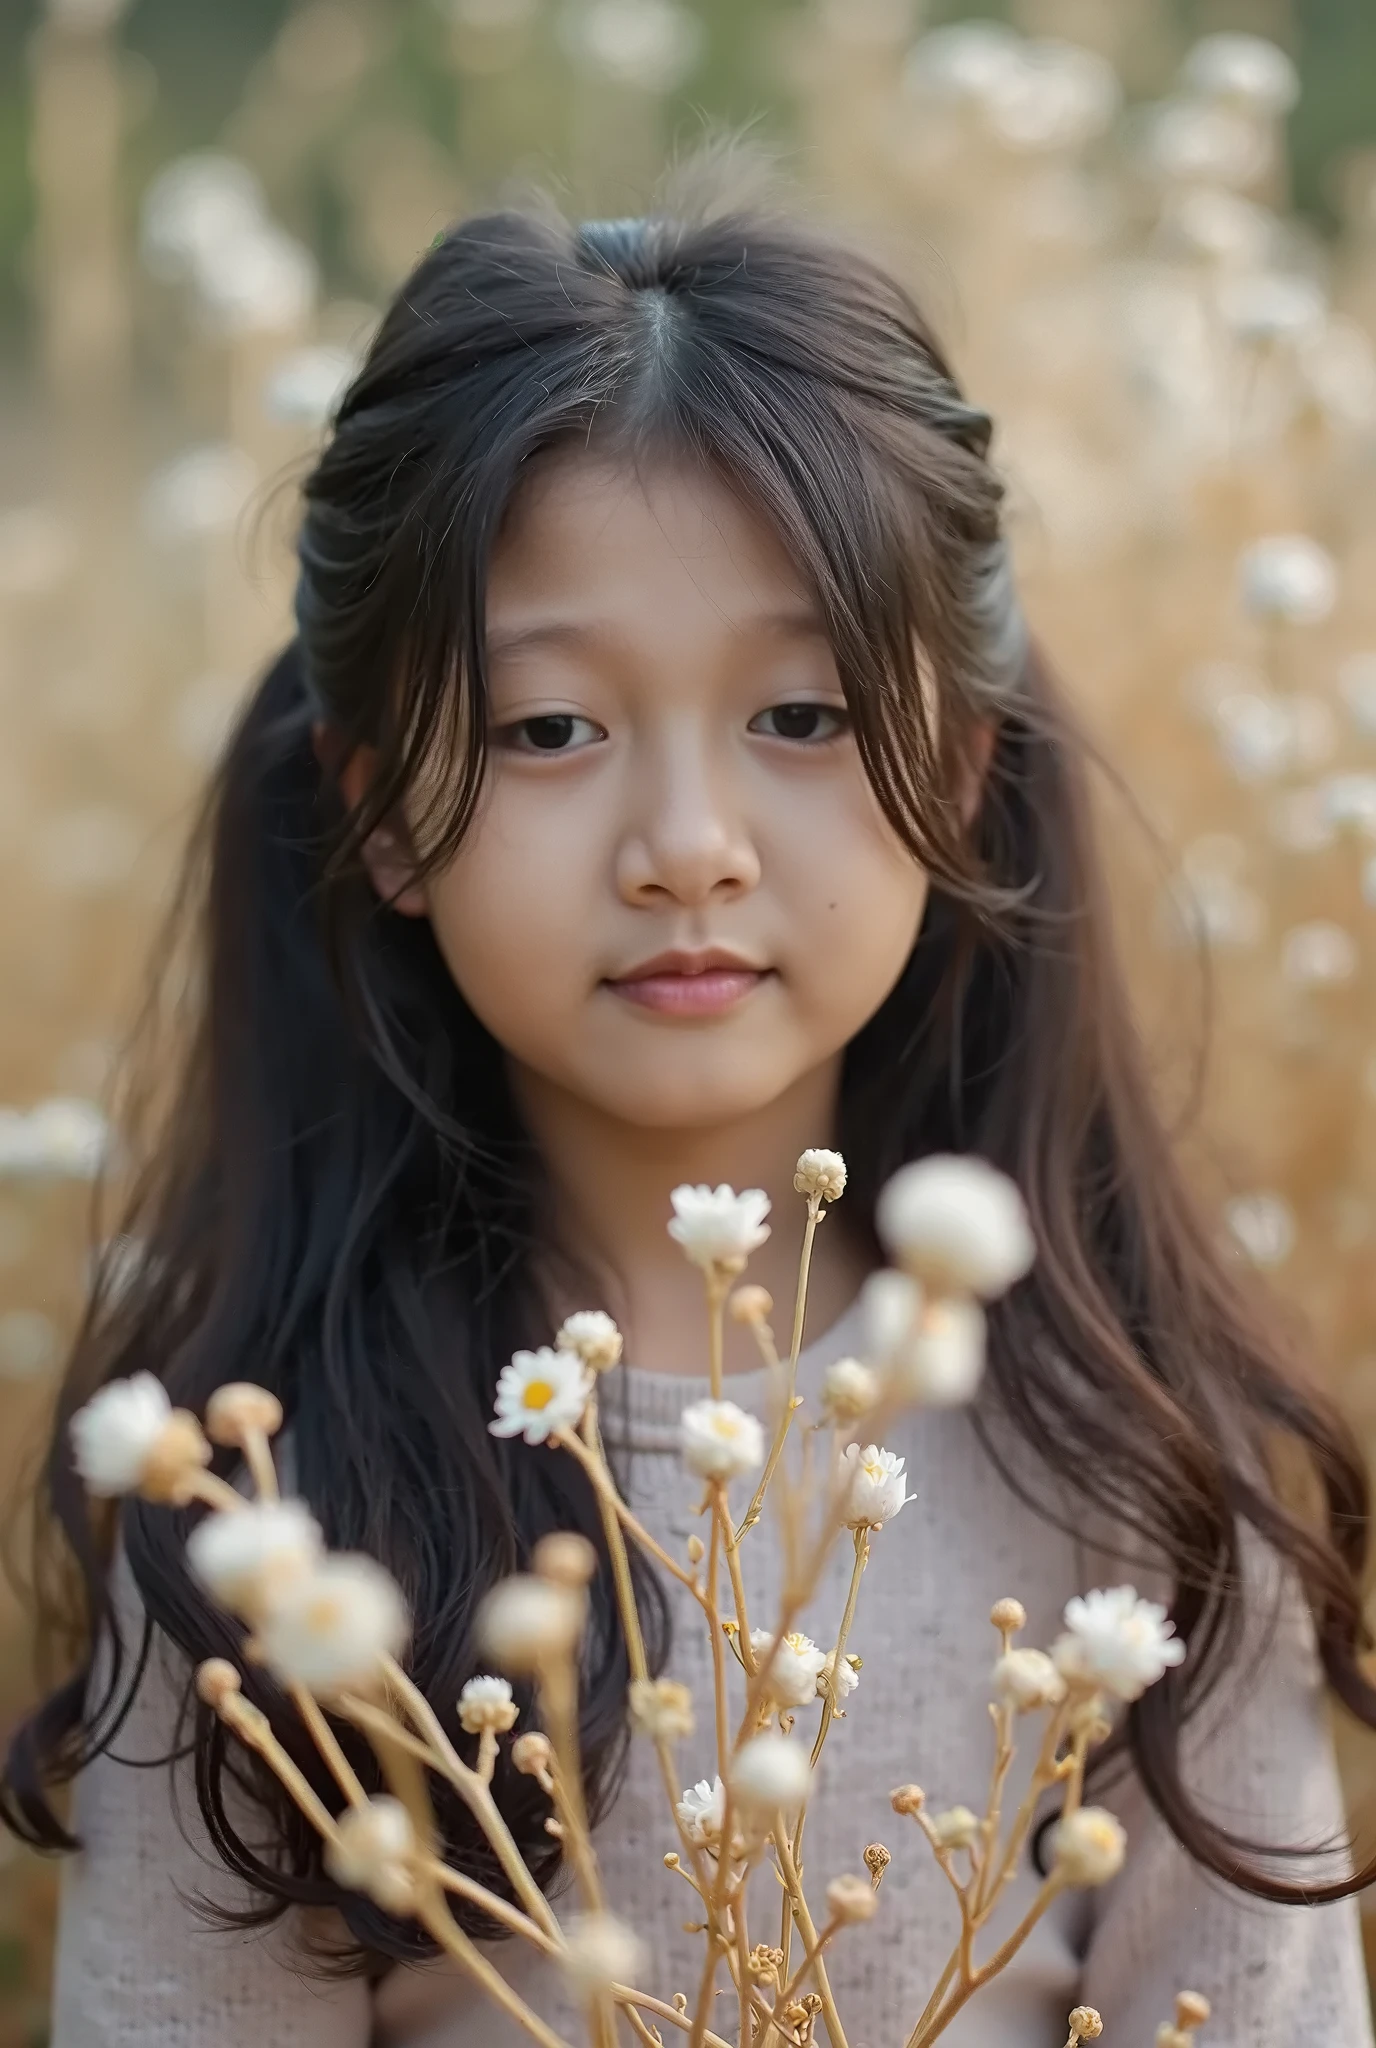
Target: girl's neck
<point>610,1184</point>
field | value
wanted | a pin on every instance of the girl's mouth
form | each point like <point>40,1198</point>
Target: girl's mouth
<point>688,985</point>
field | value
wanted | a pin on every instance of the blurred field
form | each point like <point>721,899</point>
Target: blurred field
<point>1156,268</point>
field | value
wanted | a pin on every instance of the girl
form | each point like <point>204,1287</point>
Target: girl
<point>661,781</point>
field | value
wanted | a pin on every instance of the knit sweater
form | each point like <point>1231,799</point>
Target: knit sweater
<point>138,1968</point>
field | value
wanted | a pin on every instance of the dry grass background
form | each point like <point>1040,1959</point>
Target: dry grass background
<point>1180,367</point>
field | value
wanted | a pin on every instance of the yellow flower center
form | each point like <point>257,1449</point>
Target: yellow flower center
<point>538,1394</point>
<point>724,1425</point>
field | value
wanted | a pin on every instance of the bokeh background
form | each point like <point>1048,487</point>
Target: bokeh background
<point>1147,229</point>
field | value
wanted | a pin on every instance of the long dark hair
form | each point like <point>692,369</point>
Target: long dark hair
<point>338,1200</point>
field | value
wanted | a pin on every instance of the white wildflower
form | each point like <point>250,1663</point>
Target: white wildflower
<point>702,1810</point>
<point>1088,1846</point>
<point>486,1707</point>
<point>602,1951</point>
<point>374,1853</point>
<point>852,1900</point>
<point>525,1621</point>
<point>770,1775</point>
<point>821,1173</point>
<point>129,1435</point>
<point>847,1676</point>
<point>719,1440</point>
<point>1027,1679</point>
<point>849,1390</point>
<point>328,1630</point>
<point>794,1672</point>
<point>716,1226</point>
<point>245,1557</point>
<point>1288,578</point>
<point>956,1828</point>
<point>662,1709</point>
<point>1253,72</point>
<point>592,1336</point>
<point>873,1485</point>
<point>957,1224</point>
<point>1116,1642</point>
<point>540,1391</point>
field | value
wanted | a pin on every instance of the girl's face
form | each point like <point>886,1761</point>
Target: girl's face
<point>679,896</point>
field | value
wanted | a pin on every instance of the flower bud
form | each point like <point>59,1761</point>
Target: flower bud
<point>216,1681</point>
<point>1085,2024</point>
<point>908,1799</point>
<point>240,1409</point>
<point>957,1828</point>
<point>531,1753</point>
<point>821,1173</point>
<point>565,1559</point>
<point>1089,1846</point>
<point>851,1900</point>
<point>1008,1616</point>
<point>750,1305</point>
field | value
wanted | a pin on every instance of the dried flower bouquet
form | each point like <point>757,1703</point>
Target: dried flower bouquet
<point>331,1629</point>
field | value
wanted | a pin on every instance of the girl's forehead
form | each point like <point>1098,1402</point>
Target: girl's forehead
<point>591,538</point>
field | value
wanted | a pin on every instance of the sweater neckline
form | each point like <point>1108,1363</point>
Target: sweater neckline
<point>639,1410</point>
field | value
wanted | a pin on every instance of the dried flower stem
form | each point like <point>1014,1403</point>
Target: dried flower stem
<point>718,1284</point>
<point>607,1493</point>
<point>989,1826</point>
<point>445,1759</point>
<point>795,1982</point>
<point>214,1491</point>
<point>793,1884</point>
<point>1044,1773</point>
<point>790,1391</point>
<point>966,1989</point>
<point>257,1449</point>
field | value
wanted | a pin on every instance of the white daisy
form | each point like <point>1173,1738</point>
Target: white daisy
<point>1088,1846</point>
<point>1027,1679</point>
<point>525,1621</point>
<point>539,1392</point>
<point>873,1485</point>
<point>770,1774</point>
<point>114,1435</point>
<point>719,1440</point>
<point>592,1336</point>
<point>486,1706</point>
<point>1116,1642</point>
<point>328,1630</point>
<point>702,1810</point>
<point>794,1672</point>
<point>244,1557</point>
<point>957,1224</point>
<point>822,1173</point>
<point>716,1226</point>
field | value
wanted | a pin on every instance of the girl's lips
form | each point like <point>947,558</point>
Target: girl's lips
<point>690,995</point>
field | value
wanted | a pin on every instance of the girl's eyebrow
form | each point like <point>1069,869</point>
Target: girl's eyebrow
<point>798,621</point>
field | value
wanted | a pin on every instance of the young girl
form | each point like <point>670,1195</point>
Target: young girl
<point>661,781</point>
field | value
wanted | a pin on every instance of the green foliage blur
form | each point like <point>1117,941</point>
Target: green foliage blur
<point>191,59</point>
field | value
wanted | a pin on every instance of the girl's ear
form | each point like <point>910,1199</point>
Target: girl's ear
<point>977,761</point>
<point>387,852</point>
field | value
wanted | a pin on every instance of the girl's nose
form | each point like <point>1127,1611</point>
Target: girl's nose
<point>687,840</point>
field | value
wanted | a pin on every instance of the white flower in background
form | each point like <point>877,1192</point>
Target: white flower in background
<point>662,1709</point>
<point>719,1440</point>
<point>821,1173</point>
<point>1251,71</point>
<point>1318,955</point>
<point>957,1224</point>
<point>1027,1679</point>
<point>1357,688</point>
<point>847,1678</point>
<point>199,493</point>
<point>1287,578</point>
<point>307,384</point>
<point>1116,1642</point>
<point>968,60</point>
<point>793,1674</point>
<point>1196,142</point>
<point>602,1951</point>
<point>649,45</point>
<point>716,1226</point>
<point>942,1363</point>
<point>124,1430</point>
<point>486,1707</point>
<point>194,203</point>
<point>1221,226</point>
<point>849,1390</point>
<point>769,1775</point>
<point>244,1557</point>
<point>702,1810</point>
<point>329,1630</point>
<point>1350,802</point>
<point>374,1853</point>
<point>872,1484</point>
<point>539,1392</point>
<point>62,1138</point>
<point>956,1828</point>
<point>1088,1846</point>
<point>525,1621</point>
<point>590,1334</point>
<point>1262,1225</point>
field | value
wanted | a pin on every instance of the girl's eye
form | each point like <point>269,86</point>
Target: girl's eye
<point>551,732</point>
<point>805,722</point>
